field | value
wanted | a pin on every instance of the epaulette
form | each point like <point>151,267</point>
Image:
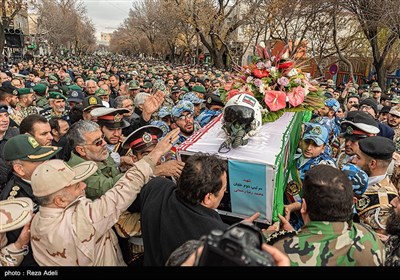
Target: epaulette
<point>278,235</point>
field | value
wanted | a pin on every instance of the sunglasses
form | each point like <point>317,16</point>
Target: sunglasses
<point>97,142</point>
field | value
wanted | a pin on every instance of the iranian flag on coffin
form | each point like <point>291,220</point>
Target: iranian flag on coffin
<point>257,172</point>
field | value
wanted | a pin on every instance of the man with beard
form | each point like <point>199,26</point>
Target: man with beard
<point>86,140</point>
<point>25,105</point>
<point>57,107</point>
<point>356,126</point>
<point>392,244</point>
<point>374,156</point>
<point>183,117</point>
<point>9,97</point>
<point>393,121</point>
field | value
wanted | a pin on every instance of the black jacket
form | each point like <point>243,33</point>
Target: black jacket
<point>167,222</point>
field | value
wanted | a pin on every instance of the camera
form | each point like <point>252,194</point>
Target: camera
<point>238,245</point>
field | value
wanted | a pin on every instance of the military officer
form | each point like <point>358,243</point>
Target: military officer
<point>25,154</point>
<point>57,107</point>
<point>25,105</point>
<point>41,95</point>
<point>374,156</point>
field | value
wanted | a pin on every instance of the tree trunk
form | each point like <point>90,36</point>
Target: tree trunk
<point>380,74</point>
<point>218,59</point>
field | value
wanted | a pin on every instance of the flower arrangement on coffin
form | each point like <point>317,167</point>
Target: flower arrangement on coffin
<point>277,83</point>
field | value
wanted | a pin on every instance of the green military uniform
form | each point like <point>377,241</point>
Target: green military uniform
<point>331,244</point>
<point>104,179</point>
<point>48,113</point>
<point>42,102</point>
<point>374,205</point>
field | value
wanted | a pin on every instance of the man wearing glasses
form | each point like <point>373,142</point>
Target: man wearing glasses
<point>87,142</point>
<point>183,117</point>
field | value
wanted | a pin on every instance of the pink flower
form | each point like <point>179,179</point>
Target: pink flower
<point>283,81</point>
<point>257,82</point>
<point>275,100</point>
<point>296,96</point>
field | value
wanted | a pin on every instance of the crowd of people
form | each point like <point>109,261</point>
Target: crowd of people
<point>91,142</point>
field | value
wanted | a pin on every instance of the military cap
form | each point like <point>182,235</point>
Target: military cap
<point>91,102</point>
<point>182,106</point>
<point>75,87</point>
<point>25,147</point>
<point>395,100</point>
<point>24,91</point>
<point>333,104</point>
<point>76,96</point>
<point>357,176</point>
<point>164,111</point>
<point>142,138</point>
<point>185,89</point>
<point>377,147</point>
<point>315,132</point>
<point>374,84</point>
<point>386,97</point>
<point>3,108</point>
<point>56,95</point>
<point>40,89</point>
<point>104,78</point>
<point>163,126</point>
<point>100,92</point>
<point>351,90</point>
<point>357,125</point>
<point>192,97</point>
<point>395,111</point>
<point>385,109</point>
<point>53,78</point>
<point>55,88</point>
<point>110,117</point>
<point>133,85</point>
<point>147,85</point>
<point>15,213</point>
<point>376,89</point>
<point>8,88</point>
<point>198,88</point>
<point>175,89</point>
<point>370,102</point>
<point>214,99</point>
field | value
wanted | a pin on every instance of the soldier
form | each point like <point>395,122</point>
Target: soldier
<point>394,122</point>
<point>183,117</point>
<point>111,123</point>
<point>57,107</point>
<point>374,156</point>
<point>41,95</point>
<point>24,106</point>
<point>328,238</point>
<point>356,126</point>
<point>89,103</point>
<point>25,154</point>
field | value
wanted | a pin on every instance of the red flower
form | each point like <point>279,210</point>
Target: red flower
<point>258,73</point>
<point>286,65</point>
<point>275,100</point>
<point>296,96</point>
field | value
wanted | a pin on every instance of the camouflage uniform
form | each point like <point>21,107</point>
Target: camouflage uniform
<point>42,102</point>
<point>331,244</point>
<point>392,247</point>
<point>20,112</point>
<point>374,205</point>
<point>48,113</point>
<point>396,138</point>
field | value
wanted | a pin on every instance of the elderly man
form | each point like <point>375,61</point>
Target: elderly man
<point>57,107</point>
<point>374,156</point>
<point>25,154</point>
<point>72,230</point>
